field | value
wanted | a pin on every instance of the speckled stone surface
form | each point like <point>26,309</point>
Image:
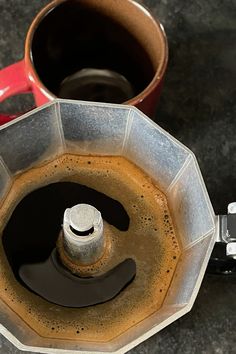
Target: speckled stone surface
<point>198,107</point>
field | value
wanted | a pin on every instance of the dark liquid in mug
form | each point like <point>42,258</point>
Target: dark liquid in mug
<point>80,53</point>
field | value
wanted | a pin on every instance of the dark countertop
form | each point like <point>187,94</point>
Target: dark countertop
<point>198,107</point>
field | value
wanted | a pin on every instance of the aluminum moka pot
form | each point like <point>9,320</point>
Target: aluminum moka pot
<point>104,129</point>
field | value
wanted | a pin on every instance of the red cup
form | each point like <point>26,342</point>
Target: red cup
<point>92,50</point>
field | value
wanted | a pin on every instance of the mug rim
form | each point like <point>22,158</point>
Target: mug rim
<point>159,72</point>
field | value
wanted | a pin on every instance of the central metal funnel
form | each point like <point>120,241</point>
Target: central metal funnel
<point>83,234</point>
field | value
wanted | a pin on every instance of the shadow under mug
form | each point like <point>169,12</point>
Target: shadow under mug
<point>93,50</point>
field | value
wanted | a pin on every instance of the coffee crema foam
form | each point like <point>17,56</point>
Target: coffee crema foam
<point>150,240</point>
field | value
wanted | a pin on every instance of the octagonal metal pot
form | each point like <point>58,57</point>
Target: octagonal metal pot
<point>105,129</point>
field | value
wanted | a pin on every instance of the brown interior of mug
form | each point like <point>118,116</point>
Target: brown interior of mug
<point>97,50</point>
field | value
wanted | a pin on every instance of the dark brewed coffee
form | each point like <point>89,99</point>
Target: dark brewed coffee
<point>42,211</point>
<point>141,229</point>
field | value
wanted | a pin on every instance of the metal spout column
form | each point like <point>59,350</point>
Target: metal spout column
<point>83,234</point>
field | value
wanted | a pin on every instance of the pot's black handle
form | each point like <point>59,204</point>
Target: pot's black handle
<point>219,262</point>
<point>223,257</point>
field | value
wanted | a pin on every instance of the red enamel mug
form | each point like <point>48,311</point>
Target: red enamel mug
<point>95,50</point>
